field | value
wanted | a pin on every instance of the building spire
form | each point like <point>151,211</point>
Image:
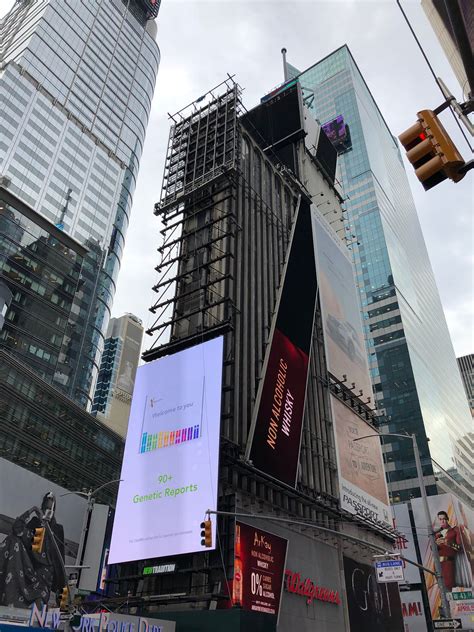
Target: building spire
<point>285,69</point>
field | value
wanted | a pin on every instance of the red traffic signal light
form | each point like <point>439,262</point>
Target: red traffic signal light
<point>206,533</point>
<point>38,540</point>
<point>431,151</point>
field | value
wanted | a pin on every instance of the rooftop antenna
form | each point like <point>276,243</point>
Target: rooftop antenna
<point>285,69</point>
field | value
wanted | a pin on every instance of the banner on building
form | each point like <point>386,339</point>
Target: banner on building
<point>372,607</point>
<point>275,437</point>
<point>259,567</point>
<point>343,333</point>
<point>362,484</point>
<point>405,544</point>
<point>26,576</point>
<point>453,525</point>
<point>170,465</point>
<point>413,612</point>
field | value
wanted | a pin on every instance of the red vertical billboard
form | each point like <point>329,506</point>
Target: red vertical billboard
<point>275,436</point>
<point>259,566</point>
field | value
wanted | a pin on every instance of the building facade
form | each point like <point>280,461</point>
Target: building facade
<point>76,83</point>
<point>466,368</point>
<point>238,261</point>
<point>415,380</point>
<point>113,393</point>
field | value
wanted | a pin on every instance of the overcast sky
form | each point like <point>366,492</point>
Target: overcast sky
<point>201,42</point>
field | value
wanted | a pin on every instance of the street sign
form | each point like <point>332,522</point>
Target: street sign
<point>389,571</point>
<point>461,595</point>
<point>447,624</point>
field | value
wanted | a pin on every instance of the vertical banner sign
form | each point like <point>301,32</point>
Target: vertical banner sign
<point>259,566</point>
<point>413,612</point>
<point>405,544</point>
<point>343,333</point>
<point>274,442</point>
<point>453,524</point>
<point>363,488</point>
<point>170,465</point>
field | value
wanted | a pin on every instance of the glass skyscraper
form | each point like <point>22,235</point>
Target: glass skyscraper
<point>415,379</point>
<point>76,84</point>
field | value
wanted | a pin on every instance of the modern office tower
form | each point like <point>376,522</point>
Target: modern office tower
<point>466,368</point>
<point>441,21</point>
<point>76,83</point>
<point>243,196</point>
<point>416,383</point>
<point>113,393</point>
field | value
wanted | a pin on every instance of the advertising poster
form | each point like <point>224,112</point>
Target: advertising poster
<point>413,611</point>
<point>25,498</point>
<point>363,488</point>
<point>343,333</point>
<point>170,466</point>
<point>274,443</point>
<point>405,544</point>
<point>372,607</point>
<point>259,567</point>
<point>453,525</point>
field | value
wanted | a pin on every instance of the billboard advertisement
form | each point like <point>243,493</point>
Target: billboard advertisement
<point>372,607</point>
<point>413,611</point>
<point>342,324</point>
<point>405,544</point>
<point>259,567</point>
<point>26,576</point>
<point>170,465</point>
<point>274,442</point>
<point>453,524</point>
<point>363,488</point>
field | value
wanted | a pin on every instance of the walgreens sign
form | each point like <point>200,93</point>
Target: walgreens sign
<point>309,589</point>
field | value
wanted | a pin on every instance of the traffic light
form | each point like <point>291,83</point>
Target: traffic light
<point>431,151</point>
<point>38,539</point>
<point>206,533</point>
<point>64,603</point>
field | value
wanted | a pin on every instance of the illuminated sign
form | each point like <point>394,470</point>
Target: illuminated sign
<point>158,570</point>
<point>338,133</point>
<point>309,589</point>
<point>170,465</point>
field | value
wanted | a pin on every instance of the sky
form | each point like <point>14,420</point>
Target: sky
<point>202,41</point>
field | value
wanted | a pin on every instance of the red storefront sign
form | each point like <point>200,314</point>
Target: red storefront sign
<point>259,562</point>
<point>309,589</point>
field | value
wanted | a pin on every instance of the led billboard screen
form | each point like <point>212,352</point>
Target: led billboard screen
<point>372,607</point>
<point>259,566</point>
<point>274,444</point>
<point>453,525</point>
<point>343,333</point>
<point>170,465</point>
<point>363,489</point>
<point>27,577</point>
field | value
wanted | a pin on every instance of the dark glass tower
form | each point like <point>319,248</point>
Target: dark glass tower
<point>76,84</point>
<point>413,367</point>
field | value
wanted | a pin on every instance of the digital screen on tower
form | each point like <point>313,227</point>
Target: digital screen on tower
<point>170,467</point>
<point>259,566</point>
<point>274,445</point>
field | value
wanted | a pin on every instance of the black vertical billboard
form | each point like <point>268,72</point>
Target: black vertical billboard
<point>275,437</point>
<point>373,607</point>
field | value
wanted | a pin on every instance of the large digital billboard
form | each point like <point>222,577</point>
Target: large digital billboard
<point>170,466</point>
<point>372,607</point>
<point>343,333</point>
<point>453,524</point>
<point>26,576</point>
<point>274,442</point>
<point>363,488</point>
<point>259,566</point>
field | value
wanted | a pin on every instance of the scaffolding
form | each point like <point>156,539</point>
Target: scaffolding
<point>197,209</point>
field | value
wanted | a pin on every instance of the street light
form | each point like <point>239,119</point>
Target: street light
<point>431,535</point>
<point>90,505</point>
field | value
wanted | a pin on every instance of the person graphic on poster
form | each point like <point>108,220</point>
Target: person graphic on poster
<point>448,541</point>
<point>465,568</point>
<point>28,577</point>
